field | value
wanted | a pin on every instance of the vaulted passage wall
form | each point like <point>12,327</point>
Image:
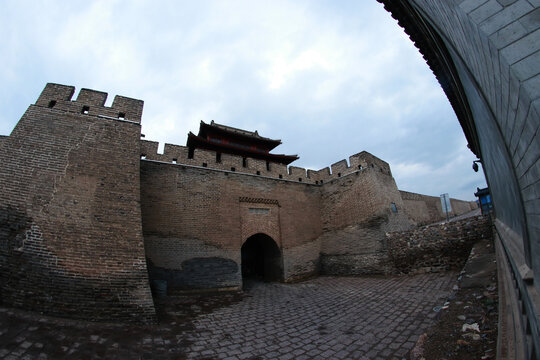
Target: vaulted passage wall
<point>486,55</point>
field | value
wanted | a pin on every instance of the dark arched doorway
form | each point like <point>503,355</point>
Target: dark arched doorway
<point>261,259</point>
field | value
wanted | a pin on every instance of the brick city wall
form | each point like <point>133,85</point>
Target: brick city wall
<point>424,209</point>
<point>197,218</point>
<point>437,247</point>
<point>71,240</point>
<point>357,211</point>
<point>355,201</point>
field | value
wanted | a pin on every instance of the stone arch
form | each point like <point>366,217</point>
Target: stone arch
<point>485,56</point>
<point>261,258</point>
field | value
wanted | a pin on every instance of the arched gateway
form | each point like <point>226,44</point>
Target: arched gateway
<point>261,259</point>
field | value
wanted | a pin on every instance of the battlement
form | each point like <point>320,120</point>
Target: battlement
<point>181,155</point>
<point>90,102</point>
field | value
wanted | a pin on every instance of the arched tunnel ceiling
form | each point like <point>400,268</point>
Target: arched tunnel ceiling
<point>431,46</point>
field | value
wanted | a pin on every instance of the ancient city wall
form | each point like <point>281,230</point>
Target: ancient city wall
<point>425,209</point>
<point>356,204</point>
<point>196,219</point>
<point>60,187</point>
<point>71,237</point>
<point>89,210</point>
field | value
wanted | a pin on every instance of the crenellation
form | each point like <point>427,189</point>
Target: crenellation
<point>257,166</point>
<point>92,97</point>
<point>3,140</point>
<point>179,155</point>
<point>90,102</point>
<point>357,162</point>
<point>175,153</point>
<point>132,109</point>
<point>278,169</point>
<point>149,149</point>
<point>320,176</point>
<point>55,92</point>
<point>298,174</point>
<point>339,168</point>
<point>230,162</point>
<point>204,158</point>
<point>366,159</point>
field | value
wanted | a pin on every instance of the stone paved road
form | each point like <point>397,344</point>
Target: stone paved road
<point>323,318</point>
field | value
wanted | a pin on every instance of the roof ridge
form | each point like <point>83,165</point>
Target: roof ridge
<point>239,131</point>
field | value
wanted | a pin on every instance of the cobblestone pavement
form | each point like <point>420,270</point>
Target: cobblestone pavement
<point>323,318</point>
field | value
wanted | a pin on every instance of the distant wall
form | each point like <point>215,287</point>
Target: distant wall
<point>460,207</point>
<point>358,200</point>
<point>425,209</point>
<point>71,240</point>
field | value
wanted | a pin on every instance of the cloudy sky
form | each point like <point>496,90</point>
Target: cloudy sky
<point>328,78</point>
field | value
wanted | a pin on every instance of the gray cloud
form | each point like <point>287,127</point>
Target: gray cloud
<point>329,79</point>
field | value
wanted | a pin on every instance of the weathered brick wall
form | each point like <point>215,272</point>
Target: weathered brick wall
<point>494,47</point>
<point>199,218</point>
<point>437,247</point>
<point>424,209</point>
<point>70,232</point>
<point>302,261</point>
<point>460,207</point>
<point>201,208</point>
<point>421,209</point>
<point>356,212</point>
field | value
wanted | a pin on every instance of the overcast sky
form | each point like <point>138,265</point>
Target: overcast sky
<point>328,78</point>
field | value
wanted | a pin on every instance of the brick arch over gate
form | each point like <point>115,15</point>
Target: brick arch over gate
<point>261,258</point>
<point>485,54</point>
